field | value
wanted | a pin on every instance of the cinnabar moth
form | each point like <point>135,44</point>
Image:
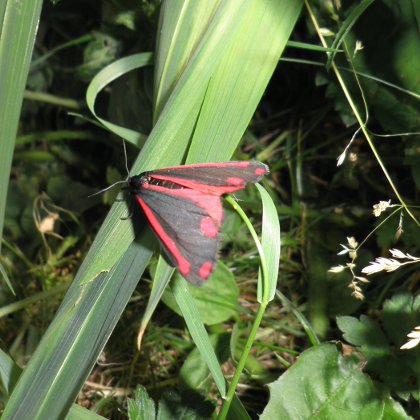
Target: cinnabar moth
<point>183,206</point>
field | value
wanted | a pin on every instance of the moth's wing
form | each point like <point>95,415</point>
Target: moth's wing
<point>213,178</point>
<point>187,223</point>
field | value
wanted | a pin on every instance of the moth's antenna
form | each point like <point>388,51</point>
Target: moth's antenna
<point>108,188</point>
<point>126,160</point>
<point>118,182</point>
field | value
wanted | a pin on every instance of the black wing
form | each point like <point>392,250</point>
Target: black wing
<point>187,223</point>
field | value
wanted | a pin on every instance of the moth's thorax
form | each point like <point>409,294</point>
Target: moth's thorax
<point>136,183</point>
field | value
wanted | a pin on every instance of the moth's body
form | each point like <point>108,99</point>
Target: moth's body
<point>184,208</point>
<point>136,182</point>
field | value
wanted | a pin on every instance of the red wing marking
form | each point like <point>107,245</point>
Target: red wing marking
<point>260,171</point>
<point>234,184</point>
<point>233,164</point>
<point>208,227</point>
<point>182,263</point>
<point>236,181</point>
<point>205,270</point>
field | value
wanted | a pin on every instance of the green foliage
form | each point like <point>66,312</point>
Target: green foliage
<point>142,407</point>
<point>10,373</point>
<point>195,82</point>
<point>325,384</point>
<point>195,374</point>
<point>379,341</point>
<point>216,300</point>
<point>171,405</point>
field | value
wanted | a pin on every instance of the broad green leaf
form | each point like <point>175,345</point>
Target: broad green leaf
<point>67,352</point>
<point>195,374</point>
<point>142,407</point>
<point>195,326</point>
<point>9,375</point>
<point>173,405</point>
<point>80,413</point>
<point>63,359</point>
<point>169,138</point>
<point>180,30</point>
<point>241,77</point>
<point>216,300</point>
<point>379,341</point>
<point>323,384</point>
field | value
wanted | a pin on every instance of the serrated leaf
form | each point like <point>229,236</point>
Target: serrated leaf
<point>379,342</point>
<point>187,407</point>
<point>323,384</point>
<point>142,407</point>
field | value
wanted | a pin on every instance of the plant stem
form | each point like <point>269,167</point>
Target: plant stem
<point>231,391</point>
<point>359,119</point>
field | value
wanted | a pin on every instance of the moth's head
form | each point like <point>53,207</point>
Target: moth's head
<point>136,182</point>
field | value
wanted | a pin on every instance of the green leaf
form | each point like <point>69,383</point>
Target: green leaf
<point>346,27</point>
<point>195,326</point>
<point>161,277</point>
<point>168,141</point>
<point>142,407</point>
<point>18,28</point>
<point>63,359</point>
<point>104,78</point>
<point>80,413</point>
<point>323,384</point>
<point>241,76</point>
<point>380,341</point>
<point>51,381</point>
<point>9,373</point>
<point>5,277</point>
<point>171,405</point>
<point>180,31</point>
<point>216,300</point>
<point>365,333</point>
<point>189,407</point>
<point>100,51</point>
<point>195,374</point>
<point>270,241</point>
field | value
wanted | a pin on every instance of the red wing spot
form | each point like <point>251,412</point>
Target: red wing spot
<point>239,164</point>
<point>207,227</point>
<point>183,265</point>
<point>235,181</point>
<point>205,270</point>
<point>260,171</point>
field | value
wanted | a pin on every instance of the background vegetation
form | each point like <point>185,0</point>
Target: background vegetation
<point>336,335</point>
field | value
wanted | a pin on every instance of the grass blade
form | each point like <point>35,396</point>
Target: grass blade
<point>50,383</point>
<point>15,57</point>
<point>270,241</point>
